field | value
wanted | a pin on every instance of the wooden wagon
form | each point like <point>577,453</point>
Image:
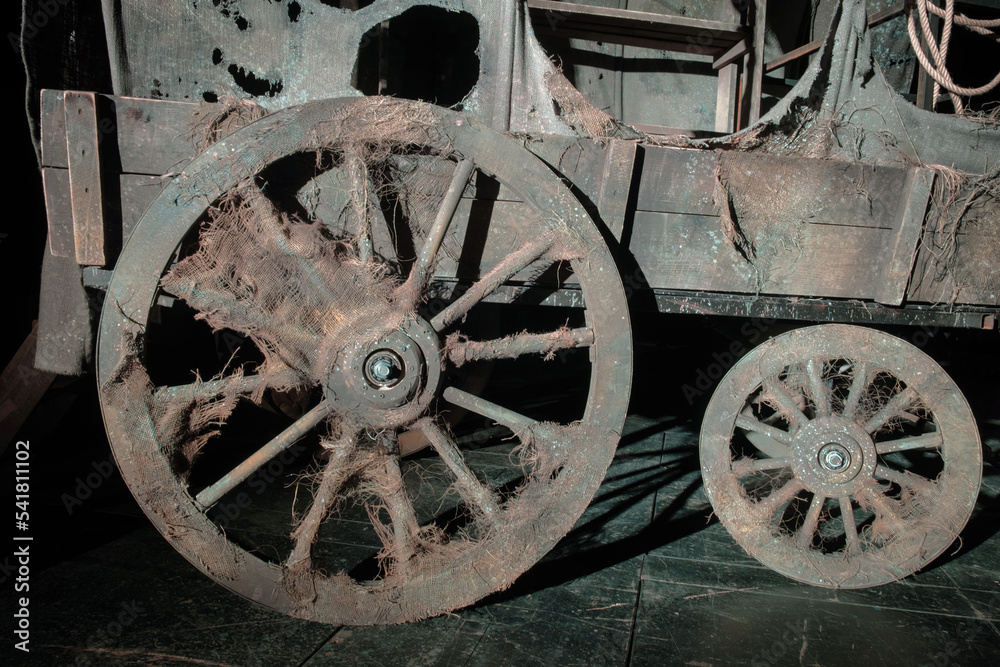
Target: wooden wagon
<point>309,276</point>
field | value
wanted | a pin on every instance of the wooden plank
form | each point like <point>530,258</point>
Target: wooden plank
<point>874,19</point>
<point>739,50</point>
<point>21,388</point>
<point>689,252</point>
<point>715,33</point>
<point>903,252</point>
<point>85,177</point>
<point>725,103</point>
<point>755,73</point>
<point>616,184</point>
<point>677,180</point>
<point>53,129</point>
<point>665,131</point>
<point>627,38</point>
<point>154,136</point>
<point>974,272</point>
<point>59,211</point>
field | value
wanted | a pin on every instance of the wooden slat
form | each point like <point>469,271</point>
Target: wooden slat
<point>59,211</point>
<point>977,254</point>
<point>154,136</point>
<point>627,38</point>
<point>739,50</point>
<point>616,184</point>
<point>725,102</point>
<point>554,16</point>
<point>756,73</point>
<point>603,16</point>
<point>689,252</point>
<point>53,129</point>
<point>665,131</point>
<point>903,252</point>
<point>85,177</point>
<point>677,181</point>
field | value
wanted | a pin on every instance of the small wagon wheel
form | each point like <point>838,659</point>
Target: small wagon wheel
<point>841,456</point>
<point>339,311</point>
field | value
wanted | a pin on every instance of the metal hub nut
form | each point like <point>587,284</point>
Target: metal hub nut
<point>834,457</point>
<point>384,369</point>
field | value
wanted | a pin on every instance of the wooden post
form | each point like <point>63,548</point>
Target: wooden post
<point>756,73</point>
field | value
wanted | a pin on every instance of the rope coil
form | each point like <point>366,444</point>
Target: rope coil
<point>934,63</point>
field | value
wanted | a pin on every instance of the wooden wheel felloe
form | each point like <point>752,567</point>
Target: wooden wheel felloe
<point>841,456</point>
<point>314,236</point>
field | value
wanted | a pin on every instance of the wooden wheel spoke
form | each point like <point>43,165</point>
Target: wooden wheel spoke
<point>927,441</point>
<point>779,497</point>
<point>850,526</point>
<point>470,487</point>
<point>818,390</point>
<point>236,384</point>
<point>883,510</point>
<point>335,474</point>
<point>896,406</point>
<point>361,204</point>
<point>808,528</point>
<point>446,211</point>
<point>859,386</point>
<point>786,404</point>
<point>771,440</point>
<point>502,272</point>
<point>907,480</point>
<point>212,494</point>
<point>461,351</point>
<point>746,466</point>
<point>400,541</point>
<point>512,420</point>
<point>208,389</point>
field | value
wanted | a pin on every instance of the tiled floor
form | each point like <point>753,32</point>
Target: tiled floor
<point>645,578</point>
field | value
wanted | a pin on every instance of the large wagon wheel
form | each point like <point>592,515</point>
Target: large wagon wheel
<point>337,310</point>
<point>841,456</point>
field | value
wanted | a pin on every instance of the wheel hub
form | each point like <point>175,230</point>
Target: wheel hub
<point>384,369</point>
<point>398,369</point>
<point>833,456</point>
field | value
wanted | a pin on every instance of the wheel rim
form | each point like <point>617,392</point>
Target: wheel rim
<point>833,417</point>
<point>379,375</point>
